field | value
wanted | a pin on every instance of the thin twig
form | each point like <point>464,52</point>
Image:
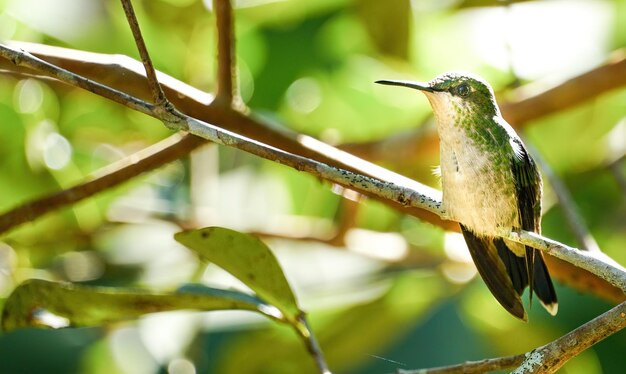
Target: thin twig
<point>567,204</point>
<point>472,367</point>
<point>171,118</point>
<point>226,92</point>
<point>552,356</point>
<point>157,92</point>
<point>312,345</point>
<point>548,358</point>
<point>25,59</point>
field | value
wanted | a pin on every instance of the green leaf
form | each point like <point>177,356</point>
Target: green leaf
<point>248,259</point>
<point>51,304</point>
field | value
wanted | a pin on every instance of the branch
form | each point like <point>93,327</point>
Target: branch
<point>597,263</point>
<point>471,367</point>
<point>157,92</point>
<point>227,92</point>
<point>20,57</point>
<point>575,91</point>
<point>552,356</point>
<point>149,159</point>
<point>548,358</point>
<point>312,345</point>
<point>120,72</point>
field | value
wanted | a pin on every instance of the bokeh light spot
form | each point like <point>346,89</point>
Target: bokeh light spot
<point>57,151</point>
<point>29,96</point>
<point>304,95</point>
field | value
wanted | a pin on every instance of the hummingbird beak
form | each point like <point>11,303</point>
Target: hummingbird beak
<point>416,85</point>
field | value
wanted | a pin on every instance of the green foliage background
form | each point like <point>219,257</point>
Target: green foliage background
<point>310,66</point>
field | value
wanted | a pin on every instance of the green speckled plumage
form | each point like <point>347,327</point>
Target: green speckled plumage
<point>490,184</point>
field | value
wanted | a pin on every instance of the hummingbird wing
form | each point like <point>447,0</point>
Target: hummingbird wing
<point>528,190</point>
<point>493,271</point>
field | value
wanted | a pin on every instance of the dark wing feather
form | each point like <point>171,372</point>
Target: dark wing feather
<point>515,266</point>
<point>528,190</point>
<point>493,271</point>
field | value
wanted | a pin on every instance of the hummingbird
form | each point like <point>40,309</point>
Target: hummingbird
<point>489,183</point>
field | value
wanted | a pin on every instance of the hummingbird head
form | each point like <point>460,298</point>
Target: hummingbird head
<point>455,96</point>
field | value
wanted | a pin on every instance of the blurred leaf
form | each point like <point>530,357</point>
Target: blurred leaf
<point>50,304</point>
<point>248,259</point>
<point>388,24</point>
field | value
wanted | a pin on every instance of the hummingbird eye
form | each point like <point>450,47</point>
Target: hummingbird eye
<point>463,89</point>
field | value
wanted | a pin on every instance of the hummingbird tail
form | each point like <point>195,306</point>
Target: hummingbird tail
<point>515,266</point>
<point>542,285</point>
<point>507,275</point>
<point>502,284</point>
<point>538,280</point>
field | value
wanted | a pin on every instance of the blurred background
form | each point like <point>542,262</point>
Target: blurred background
<point>384,290</point>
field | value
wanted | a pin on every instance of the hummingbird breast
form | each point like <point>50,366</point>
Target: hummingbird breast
<point>477,182</point>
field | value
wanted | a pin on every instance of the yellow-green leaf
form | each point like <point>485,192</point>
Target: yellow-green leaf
<point>248,259</point>
<point>51,304</point>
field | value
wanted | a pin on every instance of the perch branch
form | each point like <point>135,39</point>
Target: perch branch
<point>595,262</point>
